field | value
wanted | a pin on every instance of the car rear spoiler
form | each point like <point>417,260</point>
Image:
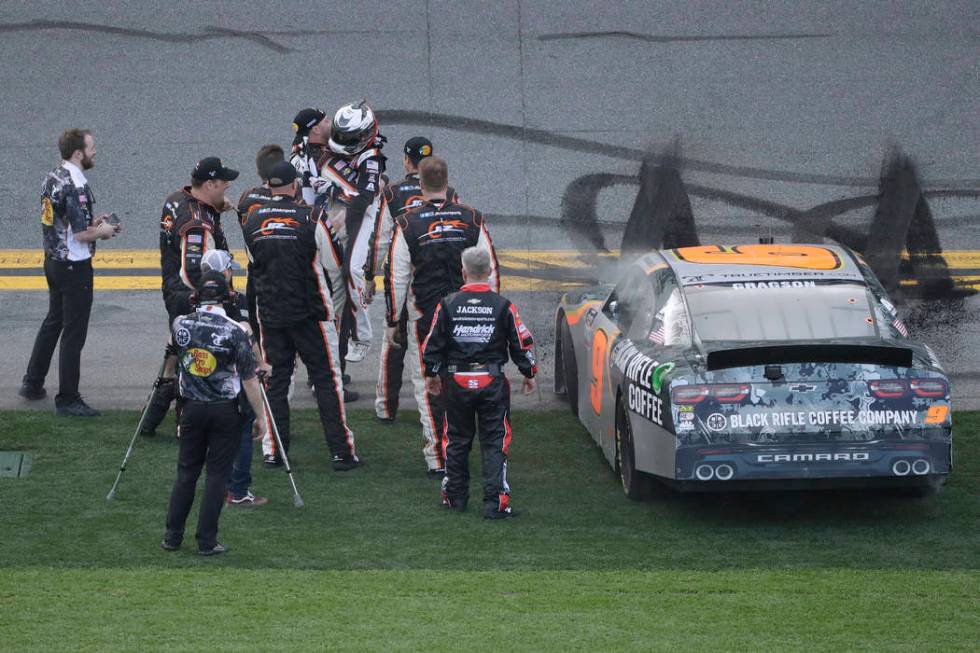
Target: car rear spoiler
<point>829,353</point>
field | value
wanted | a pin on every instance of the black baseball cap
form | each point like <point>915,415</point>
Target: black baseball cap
<point>212,168</point>
<point>418,148</point>
<point>306,119</point>
<point>213,287</point>
<point>281,173</point>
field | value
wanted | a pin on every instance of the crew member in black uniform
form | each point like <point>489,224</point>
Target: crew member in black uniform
<point>190,225</point>
<point>398,199</point>
<point>423,267</point>
<point>297,264</point>
<point>472,333</point>
<point>215,363</point>
<point>268,156</point>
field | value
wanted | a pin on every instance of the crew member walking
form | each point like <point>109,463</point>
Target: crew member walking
<point>472,333</point>
<point>296,261</point>
<point>69,233</point>
<point>423,267</point>
<point>215,362</point>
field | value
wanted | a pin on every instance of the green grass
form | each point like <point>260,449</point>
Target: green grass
<point>374,563</point>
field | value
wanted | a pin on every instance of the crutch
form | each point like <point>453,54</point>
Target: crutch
<point>139,426</point>
<point>297,499</point>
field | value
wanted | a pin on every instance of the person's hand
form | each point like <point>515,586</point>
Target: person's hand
<point>391,333</point>
<point>528,385</point>
<point>370,288</point>
<point>227,206</point>
<point>105,230</point>
<point>433,385</point>
<point>263,370</point>
<point>258,428</point>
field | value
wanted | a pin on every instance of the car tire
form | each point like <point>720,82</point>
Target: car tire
<point>569,366</point>
<point>636,485</point>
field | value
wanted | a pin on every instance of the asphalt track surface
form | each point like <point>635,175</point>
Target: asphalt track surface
<point>782,104</point>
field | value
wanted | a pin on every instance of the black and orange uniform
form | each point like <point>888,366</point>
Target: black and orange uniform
<point>188,228</point>
<point>398,199</point>
<point>296,261</point>
<point>250,198</point>
<point>473,333</point>
<point>424,265</point>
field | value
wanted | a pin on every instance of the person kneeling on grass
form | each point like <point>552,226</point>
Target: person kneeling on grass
<point>472,332</point>
<point>215,362</point>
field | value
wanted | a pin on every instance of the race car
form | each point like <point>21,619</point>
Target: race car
<point>753,367</point>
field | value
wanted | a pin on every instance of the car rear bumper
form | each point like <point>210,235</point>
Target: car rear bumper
<point>904,462</point>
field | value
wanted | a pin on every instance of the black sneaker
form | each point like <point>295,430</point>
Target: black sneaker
<point>345,463</point>
<point>345,378</point>
<point>506,513</point>
<point>77,408</point>
<point>351,396</point>
<point>32,392</point>
<point>167,545</point>
<point>385,420</point>
<point>439,473</point>
<point>217,549</point>
<point>270,460</point>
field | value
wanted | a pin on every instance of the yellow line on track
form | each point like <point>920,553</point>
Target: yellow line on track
<point>147,259</point>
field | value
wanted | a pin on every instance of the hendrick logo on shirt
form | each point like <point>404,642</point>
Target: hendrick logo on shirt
<point>473,333</point>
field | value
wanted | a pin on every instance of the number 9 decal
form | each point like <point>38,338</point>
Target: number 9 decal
<point>937,414</point>
<point>804,257</point>
<point>600,351</point>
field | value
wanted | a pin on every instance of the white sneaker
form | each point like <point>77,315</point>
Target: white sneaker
<point>356,350</point>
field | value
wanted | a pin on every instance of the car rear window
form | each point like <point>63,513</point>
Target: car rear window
<point>797,310</point>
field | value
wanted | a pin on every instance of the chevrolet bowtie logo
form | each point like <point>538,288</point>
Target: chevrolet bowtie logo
<point>802,387</point>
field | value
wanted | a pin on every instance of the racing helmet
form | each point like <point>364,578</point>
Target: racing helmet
<point>353,129</point>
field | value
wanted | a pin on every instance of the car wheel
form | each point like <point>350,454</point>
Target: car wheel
<point>569,366</point>
<point>636,485</point>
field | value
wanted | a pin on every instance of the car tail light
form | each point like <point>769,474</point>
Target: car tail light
<point>689,394</point>
<point>894,388</point>
<point>928,387</point>
<point>725,393</point>
<point>730,393</point>
<point>888,389</point>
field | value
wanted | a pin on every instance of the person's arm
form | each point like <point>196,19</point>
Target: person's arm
<point>254,395</point>
<point>484,242</point>
<point>330,255</point>
<point>520,343</point>
<point>195,241</point>
<point>380,239</point>
<point>434,350</point>
<point>368,186</point>
<point>100,231</point>
<point>260,364</point>
<point>399,274</point>
<point>300,160</point>
<point>245,364</point>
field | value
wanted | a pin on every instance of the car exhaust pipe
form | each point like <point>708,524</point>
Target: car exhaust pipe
<point>724,472</point>
<point>901,468</point>
<point>704,472</point>
<point>921,467</point>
